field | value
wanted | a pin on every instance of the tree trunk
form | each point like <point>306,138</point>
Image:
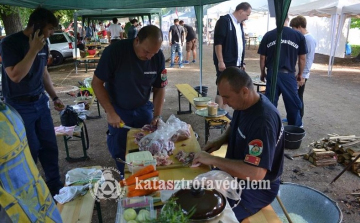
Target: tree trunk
<point>11,20</point>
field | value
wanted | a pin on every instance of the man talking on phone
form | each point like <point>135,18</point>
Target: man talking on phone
<point>25,79</point>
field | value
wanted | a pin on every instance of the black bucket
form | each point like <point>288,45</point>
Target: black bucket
<point>293,136</point>
<point>204,90</point>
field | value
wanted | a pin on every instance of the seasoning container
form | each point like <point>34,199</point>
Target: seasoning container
<point>212,108</point>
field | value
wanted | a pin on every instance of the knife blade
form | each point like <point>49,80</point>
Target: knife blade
<point>122,125</point>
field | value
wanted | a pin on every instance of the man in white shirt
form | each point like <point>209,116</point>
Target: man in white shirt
<point>115,30</point>
<point>229,42</point>
<point>299,23</point>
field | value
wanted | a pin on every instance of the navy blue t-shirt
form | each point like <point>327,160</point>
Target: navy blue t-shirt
<point>128,79</point>
<point>257,138</point>
<point>293,43</point>
<point>190,33</point>
<point>13,49</point>
<point>176,33</point>
<point>132,32</point>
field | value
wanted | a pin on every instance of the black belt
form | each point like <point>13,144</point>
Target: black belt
<point>27,98</point>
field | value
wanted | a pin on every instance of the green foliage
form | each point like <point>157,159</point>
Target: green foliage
<point>64,16</point>
<point>355,50</point>
<point>24,12</point>
<point>172,213</point>
<point>355,23</point>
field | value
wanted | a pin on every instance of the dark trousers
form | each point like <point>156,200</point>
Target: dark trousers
<point>287,86</point>
<point>253,201</point>
<point>116,139</point>
<point>301,96</point>
<point>41,138</point>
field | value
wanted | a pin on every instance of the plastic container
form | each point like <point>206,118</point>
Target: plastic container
<point>293,136</point>
<point>140,160</point>
<point>212,108</point>
<point>91,52</point>
<point>201,101</point>
<point>136,203</point>
<point>166,194</point>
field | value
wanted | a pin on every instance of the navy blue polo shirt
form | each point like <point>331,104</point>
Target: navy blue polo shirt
<point>293,43</point>
<point>13,49</point>
<point>128,79</point>
<point>257,138</point>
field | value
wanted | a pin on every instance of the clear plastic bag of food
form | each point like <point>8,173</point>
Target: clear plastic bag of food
<point>222,182</point>
<point>162,140</point>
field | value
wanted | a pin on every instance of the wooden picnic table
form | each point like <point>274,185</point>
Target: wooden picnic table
<point>175,171</point>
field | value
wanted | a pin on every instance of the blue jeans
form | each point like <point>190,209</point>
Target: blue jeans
<point>41,137</point>
<point>174,47</point>
<point>116,139</point>
<point>287,86</point>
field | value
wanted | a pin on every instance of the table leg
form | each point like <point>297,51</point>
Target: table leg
<point>207,131</point>
<point>98,210</point>
<point>179,112</point>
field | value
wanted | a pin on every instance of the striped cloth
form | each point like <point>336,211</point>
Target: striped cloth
<point>23,193</point>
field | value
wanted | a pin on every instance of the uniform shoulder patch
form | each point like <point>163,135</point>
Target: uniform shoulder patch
<point>252,160</point>
<point>255,147</point>
<point>164,75</point>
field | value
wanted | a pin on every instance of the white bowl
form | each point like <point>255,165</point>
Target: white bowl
<point>201,101</point>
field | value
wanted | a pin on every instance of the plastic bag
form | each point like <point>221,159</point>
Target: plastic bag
<point>182,128</point>
<point>66,194</point>
<point>69,117</point>
<point>82,175</point>
<point>162,140</point>
<point>216,179</point>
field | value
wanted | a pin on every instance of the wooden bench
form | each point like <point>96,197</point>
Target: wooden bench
<point>80,209</point>
<point>185,90</point>
<point>87,61</point>
<point>81,133</point>
<point>265,215</point>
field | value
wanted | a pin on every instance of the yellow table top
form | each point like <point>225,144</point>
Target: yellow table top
<point>176,171</point>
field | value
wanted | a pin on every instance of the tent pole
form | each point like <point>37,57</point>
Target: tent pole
<point>199,19</point>
<point>160,20</point>
<point>75,35</point>
<point>331,57</point>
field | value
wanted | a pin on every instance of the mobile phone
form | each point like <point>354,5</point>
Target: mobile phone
<point>36,27</point>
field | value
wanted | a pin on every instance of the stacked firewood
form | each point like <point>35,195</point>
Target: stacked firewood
<point>342,149</point>
<point>321,157</point>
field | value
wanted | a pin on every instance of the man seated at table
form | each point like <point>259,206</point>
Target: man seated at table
<point>255,142</point>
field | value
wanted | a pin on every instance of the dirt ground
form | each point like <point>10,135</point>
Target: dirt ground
<point>331,106</point>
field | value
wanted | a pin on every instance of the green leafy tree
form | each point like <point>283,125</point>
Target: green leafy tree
<point>355,23</point>
<point>10,16</point>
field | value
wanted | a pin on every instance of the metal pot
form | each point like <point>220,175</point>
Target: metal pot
<point>208,203</point>
<point>201,101</point>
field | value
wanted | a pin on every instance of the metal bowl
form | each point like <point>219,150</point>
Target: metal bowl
<point>307,202</point>
<point>201,101</point>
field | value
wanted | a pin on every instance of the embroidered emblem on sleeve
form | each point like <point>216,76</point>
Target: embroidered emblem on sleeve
<point>163,84</point>
<point>255,147</point>
<point>252,160</point>
<point>164,75</point>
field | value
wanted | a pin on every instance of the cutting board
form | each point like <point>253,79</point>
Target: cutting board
<point>188,145</point>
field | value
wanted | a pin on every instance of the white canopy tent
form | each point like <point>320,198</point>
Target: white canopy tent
<point>327,27</point>
<point>323,21</point>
